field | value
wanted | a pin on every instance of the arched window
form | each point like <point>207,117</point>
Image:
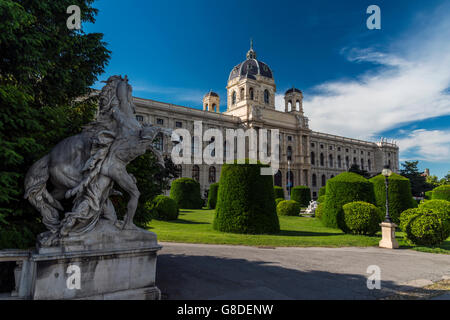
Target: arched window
<point>339,161</point>
<point>314,180</point>
<point>324,180</point>
<point>158,142</point>
<point>266,96</point>
<point>313,158</point>
<point>242,93</point>
<point>354,161</point>
<point>289,153</point>
<point>369,164</point>
<point>362,164</point>
<point>277,179</point>
<point>213,152</point>
<point>252,96</point>
<point>214,107</point>
<point>347,162</point>
<point>196,173</point>
<point>332,176</point>
<point>289,105</point>
<point>330,161</point>
<point>212,174</point>
<point>233,97</point>
<point>322,160</point>
<point>297,105</point>
<point>206,107</point>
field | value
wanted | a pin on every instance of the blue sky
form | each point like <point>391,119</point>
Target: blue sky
<point>360,83</point>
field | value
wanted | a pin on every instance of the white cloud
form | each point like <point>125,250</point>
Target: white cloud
<point>409,84</point>
<point>427,145</point>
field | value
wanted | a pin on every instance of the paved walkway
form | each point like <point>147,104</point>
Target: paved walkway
<point>196,271</point>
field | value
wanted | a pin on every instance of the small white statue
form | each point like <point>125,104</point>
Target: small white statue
<point>311,210</point>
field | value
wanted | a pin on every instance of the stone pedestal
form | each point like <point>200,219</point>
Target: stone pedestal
<point>107,263</point>
<point>388,236</point>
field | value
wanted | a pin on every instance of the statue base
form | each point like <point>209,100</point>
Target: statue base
<point>388,240</point>
<point>107,263</point>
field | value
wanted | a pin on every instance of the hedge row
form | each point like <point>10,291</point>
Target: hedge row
<point>441,193</point>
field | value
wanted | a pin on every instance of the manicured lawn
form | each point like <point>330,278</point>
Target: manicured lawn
<point>195,226</point>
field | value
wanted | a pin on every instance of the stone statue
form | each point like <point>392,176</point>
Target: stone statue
<point>311,210</point>
<point>85,168</point>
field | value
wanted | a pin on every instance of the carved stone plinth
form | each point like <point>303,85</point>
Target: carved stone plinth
<point>107,263</point>
<point>388,236</point>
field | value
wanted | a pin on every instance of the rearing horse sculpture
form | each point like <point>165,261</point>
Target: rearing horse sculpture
<point>87,165</point>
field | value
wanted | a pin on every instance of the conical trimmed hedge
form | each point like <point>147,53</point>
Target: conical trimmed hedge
<point>186,193</point>
<point>344,188</point>
<point>301,194</point>
<point>245,202</point>
<point>279,192</point>
<point>400,197</point>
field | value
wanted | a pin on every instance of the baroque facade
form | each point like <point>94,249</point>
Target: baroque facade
<point>306,157</point>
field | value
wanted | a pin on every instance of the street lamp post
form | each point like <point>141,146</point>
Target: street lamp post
<point>387,226</point>
<point>387,173</point>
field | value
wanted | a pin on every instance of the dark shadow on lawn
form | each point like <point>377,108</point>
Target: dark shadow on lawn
<point>181,276</point>
<point>294,233</point>
<point>182,221</point>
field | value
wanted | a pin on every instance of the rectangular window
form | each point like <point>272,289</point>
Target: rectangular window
<point>139,118</point>
<point>289,138</point>
<point>178,124</point>
<point>160,121</point>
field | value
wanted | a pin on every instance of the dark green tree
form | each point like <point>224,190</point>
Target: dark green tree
<point>44,69</point>
<point>418,182</point>
<point>151,179</point>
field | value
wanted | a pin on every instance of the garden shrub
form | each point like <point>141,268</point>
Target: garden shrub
<point>438,206</point>
<point>245,201</point>
<point>212,195</point>
<point>406,215</point>
<point>186,193</point>
<point>301,194</point>
<point>163,208</point>
<point>362,218</point>
<point>344,188</point>
<point>278,200</point>
<point>441,193</point>
<point>322,191</point>
<point>429,195</point>
<point>400,197</point>
<point>288,208</point>
<point>322,199</point>
<point>279,192</point>
<point>319,210</point>
<point>425,227</point>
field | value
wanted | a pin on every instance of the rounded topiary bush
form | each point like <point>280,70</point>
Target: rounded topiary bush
<point>186,193</point>
<point>406,215</point>
<point>278,200</point>
<point>279,192</point>
<point>245,201</point>
<point>439,206</point>
<point>344,188</point>
<point>322,191</point>
<point>212,195</point>
<point>400,197</point>
<point>425,227</point>
<point>362,218</point>
<point>288,208</point>
<point>163,208</point>
<point>301,194</point>
<point>441,193</point>
<point>319,211</point>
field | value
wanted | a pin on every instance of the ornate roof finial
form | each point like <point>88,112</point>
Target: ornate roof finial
<point>251,54</point>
